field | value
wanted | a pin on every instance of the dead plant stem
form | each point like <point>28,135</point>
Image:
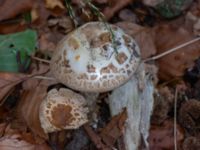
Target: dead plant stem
<point>172,50</point>
<point>40,59</point>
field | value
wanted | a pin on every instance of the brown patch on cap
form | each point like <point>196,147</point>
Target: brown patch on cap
<point>73,43</point>
<point>105,37</point>
<point>83,76</point>
<point>113,68</point>
<point>121,58</point>
<point>91,68</point>
<point>127,40</point>
<point>61,115</point>
<point>109,68</point>
<point>105,70</point>
<point>101,40</point>
<point>77,57</point>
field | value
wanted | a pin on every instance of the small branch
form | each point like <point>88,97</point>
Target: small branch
<point>40,59</point>
<point>172,50</point>
<point>44,78</point>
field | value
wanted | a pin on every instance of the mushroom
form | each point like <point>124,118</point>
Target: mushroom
<point>86,60</point>
<point>91,60</point>
<point>62,109</point>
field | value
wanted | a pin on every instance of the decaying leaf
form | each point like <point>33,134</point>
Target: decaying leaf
<point>162,137</point>
<point>9,80</point>
<point>191,143</point>
<point>29,105</point>
<point>95,138</point>
<point>189,115</point>
<point>51,4</point>
<point>169,36</point>
<point>114,129</point>
<point>11,8</point>
<point>13,139</point>
<point>115,6</point>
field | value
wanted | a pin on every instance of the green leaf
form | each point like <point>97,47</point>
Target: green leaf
<point>15,50</point>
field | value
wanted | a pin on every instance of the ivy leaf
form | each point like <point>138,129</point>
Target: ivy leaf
<point>15,50</point>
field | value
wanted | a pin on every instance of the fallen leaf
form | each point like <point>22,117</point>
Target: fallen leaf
<point>51,4</point>
<point>15,50</point>
<point>189,115</point>
<point>6,28</point>
<point>13,139</point>
<point>162,137</point>
<point>191,143</point>
<point>174,64</point>
<point>9,80</point>
<point>11,8</point>
<point>114,6</point>
<point>142,35</point>
<point>95,138</point>
<point>114,129</point>
<point>28,108</point>
<point>127,15</point>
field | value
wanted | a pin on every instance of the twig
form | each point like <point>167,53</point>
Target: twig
<point>172,50</point>
<point>44,78</point>
<point>40,59</point>
<point>175,119</point>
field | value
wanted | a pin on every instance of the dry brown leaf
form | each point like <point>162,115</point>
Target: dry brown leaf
<point>189,114</point>
<point>6,28</point>
<point>191,143</point>
<point>127,15</point>
<point>48,40</point>
<point>2,129</point>
<point>95,138</point>
<point>162,137</point>
<point>13,139</point>
<point>169,36</point>
<point>143,36</point>
<point>28,108</point>
<point>11,8</point>
<point>51,4</point>
<point>115,6</point>
<point>114,129</point>
<point>9,80</point>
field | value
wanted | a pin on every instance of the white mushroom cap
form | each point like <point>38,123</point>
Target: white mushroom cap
<point>62,109</point>
<point>85,59</point>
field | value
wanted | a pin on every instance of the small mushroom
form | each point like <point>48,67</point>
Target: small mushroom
<point>62,109</point>
<point>85,60</point>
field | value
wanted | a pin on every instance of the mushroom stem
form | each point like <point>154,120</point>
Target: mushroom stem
<point>135,99</point>
<point>91,99</point>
